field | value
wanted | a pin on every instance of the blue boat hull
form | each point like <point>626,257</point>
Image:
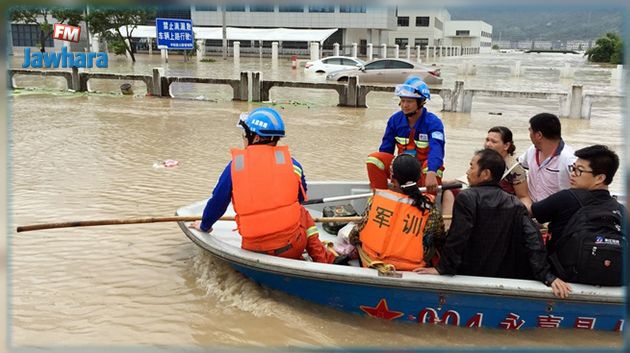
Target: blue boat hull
<point>436,307</point>
<point>465,301</point>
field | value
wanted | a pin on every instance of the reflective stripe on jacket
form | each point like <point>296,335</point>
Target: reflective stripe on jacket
<point>425,139</point>
<point>394,230</point>
<point>265,196</point>
<point>418,148</point>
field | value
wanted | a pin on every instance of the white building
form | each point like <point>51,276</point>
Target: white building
<point>378,25</point>
<point>419,27</point>
<point>469,34</point>
<point>357,24</point>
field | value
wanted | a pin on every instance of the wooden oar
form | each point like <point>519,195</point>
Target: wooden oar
<point>362,196</point>
<point>106,222</point>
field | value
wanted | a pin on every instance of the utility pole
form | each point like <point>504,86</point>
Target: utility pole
<point>224,31</point>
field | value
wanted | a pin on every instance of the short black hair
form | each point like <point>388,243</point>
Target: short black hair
<point>491,160</point>
<point>548,124</point>
<point>602,160</point>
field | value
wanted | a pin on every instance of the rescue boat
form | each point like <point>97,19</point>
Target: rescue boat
<point>464,301</point>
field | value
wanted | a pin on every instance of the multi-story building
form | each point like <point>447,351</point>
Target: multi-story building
<point>419,27</point>
<point>469,34</point>
<point>356,24</point>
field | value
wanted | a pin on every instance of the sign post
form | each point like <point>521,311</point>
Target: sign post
<point>174,33</point>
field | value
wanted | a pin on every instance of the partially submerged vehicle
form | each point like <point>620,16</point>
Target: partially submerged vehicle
<point>388,71</point>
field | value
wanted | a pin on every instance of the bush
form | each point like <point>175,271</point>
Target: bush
<point>117,45</point>
<point>607,49</point>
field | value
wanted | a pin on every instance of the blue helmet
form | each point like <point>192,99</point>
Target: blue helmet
<point>265,122</point>
<point>413,87</point>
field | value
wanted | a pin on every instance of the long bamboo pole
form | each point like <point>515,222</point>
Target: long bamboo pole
<point>106,222</point>
<point>119,221</point>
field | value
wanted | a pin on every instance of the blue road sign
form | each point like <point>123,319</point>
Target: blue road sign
<point>174,33</point>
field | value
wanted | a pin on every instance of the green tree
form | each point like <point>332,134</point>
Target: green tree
<point>607,49</point>
<point>40,16</point>
<point>107,22</point>
<point>191,52</point>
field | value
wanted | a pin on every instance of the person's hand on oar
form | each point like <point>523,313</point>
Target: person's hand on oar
<point>197,225</point>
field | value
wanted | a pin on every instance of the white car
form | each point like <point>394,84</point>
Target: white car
<point>333,63</point>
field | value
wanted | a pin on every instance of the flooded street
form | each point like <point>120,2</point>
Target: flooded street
<point>78,156</point>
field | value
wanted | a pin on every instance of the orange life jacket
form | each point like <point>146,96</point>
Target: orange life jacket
<point>265,196</point>
<point>394,230</point>
<point>418,148</point>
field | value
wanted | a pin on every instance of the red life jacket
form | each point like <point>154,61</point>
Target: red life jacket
<point>394,230</point>
<point>265,196</point>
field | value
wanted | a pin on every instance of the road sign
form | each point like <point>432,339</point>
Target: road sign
<point>174,33</point>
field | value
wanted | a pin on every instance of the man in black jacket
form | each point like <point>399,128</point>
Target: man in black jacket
<point>591,174</point>
<point>491,234</point>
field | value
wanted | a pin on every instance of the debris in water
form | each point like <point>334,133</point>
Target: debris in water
<point>169,163</point>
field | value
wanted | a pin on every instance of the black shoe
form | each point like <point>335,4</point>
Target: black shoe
<point>341,260</point>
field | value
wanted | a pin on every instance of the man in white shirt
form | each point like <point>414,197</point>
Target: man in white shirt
<point>548,159</point>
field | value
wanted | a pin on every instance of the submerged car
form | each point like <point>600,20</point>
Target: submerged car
<point>388,71</point>
<point>333,63</point>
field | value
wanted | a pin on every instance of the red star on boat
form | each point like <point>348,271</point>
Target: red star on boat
<point>381,311</point>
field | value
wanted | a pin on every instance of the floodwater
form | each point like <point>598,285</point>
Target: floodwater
<point>92,156</point>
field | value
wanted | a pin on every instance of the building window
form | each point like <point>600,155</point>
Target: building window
<point>462,33</point>
<point>321,8</point>
<point>24,35</point>
<point>290,8</point>
<point>261,8</point>
<point>351,9</point>
<point>403,21</point>
<point>422,21</point>
<point>206,7</point>
<point>235,8</point>
<point>402,42</point>
<point>438,24</point>
<point>422,42</point>
<point>287,44</point>
<point>182,12</point>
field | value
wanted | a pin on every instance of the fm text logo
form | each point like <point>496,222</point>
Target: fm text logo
<point>66,32</point>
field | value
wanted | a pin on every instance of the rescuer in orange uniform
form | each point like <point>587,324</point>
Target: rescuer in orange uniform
<point>397,222</point>
<point>266,186</point>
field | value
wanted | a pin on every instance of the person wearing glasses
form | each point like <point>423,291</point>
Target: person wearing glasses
<point>266,186</point>
<point>412,130</point>
<point>548,159</point>
<point>491,234</point>
<point>591,174</point>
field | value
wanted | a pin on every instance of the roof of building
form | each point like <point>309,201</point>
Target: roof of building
<point>233,33</point>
